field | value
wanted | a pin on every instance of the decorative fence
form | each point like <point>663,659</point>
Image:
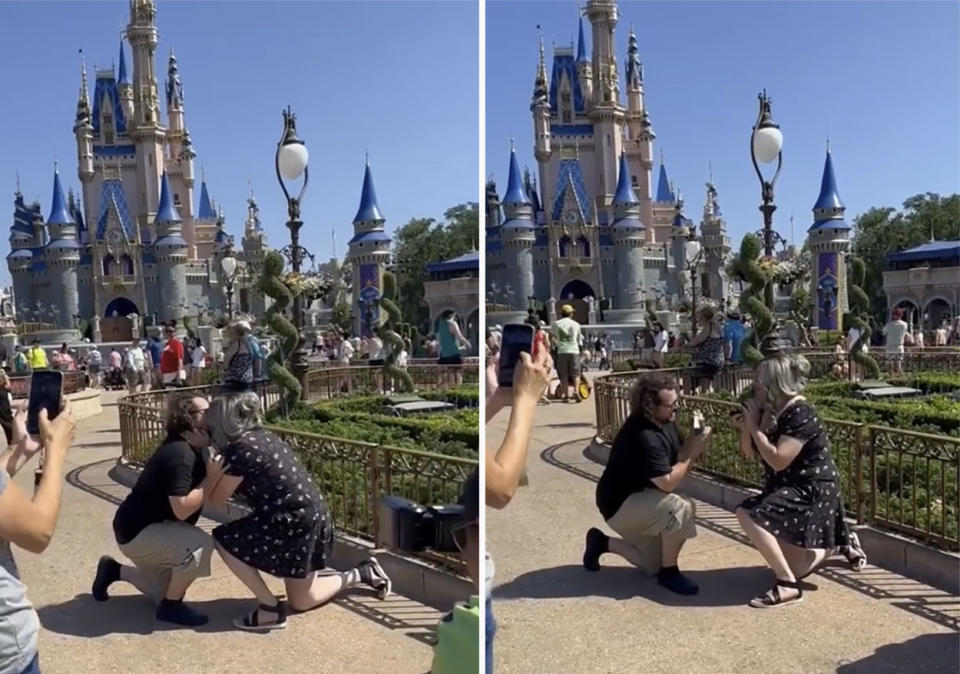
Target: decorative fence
<point>327,383</point>
<point>352,475</point>
<point>895,479</point>
<point>72,383</point>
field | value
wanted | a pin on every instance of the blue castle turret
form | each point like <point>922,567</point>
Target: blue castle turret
<point>62,256</point>
<point>518,236</point>
<point>829,240</point>
<point>170,251</point>
<point>369,253</point>
<point>628,239</point>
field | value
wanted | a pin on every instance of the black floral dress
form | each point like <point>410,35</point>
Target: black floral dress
<point>801,504</point>
<point>289,532</point>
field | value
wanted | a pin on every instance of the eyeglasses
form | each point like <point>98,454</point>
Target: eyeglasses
<point>459,534</point>
<point>675,405</point>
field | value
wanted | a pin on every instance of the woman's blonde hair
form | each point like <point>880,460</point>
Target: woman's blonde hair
<point>231,415</point>
<point>783,376</point>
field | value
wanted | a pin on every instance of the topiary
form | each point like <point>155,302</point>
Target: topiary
<point>272,285</point>
<point>859,317</point>
<point>748,267</point>
<point>392,341</point>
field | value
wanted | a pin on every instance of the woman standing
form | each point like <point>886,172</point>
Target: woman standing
<point>198,362</point>
<point>708,356</point>
<point>239,356</point>
<point>451,341</point>
<point>289,531</point>
<point>797,521</point>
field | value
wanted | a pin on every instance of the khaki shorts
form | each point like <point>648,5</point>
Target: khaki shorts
<point>167,550</point>
<point>649,516</point>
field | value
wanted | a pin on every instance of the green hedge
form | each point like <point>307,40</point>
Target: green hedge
<point>359,418</point>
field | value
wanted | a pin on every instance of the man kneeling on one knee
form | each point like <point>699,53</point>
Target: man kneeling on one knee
<point>636,495</point>
<point>155,526</point>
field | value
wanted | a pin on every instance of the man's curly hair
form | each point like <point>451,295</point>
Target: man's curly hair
<point>179,415</point>
<point>645,396</point>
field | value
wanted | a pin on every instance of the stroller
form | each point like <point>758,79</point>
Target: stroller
<point>113,380</point>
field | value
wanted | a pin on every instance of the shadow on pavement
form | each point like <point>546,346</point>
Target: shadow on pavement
<point>920,600</point>
<point>718,587</point>
<point>130,614</point>
<point>905,656</point>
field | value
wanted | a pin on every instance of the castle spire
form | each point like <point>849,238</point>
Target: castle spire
<point>540,91</point>
<point>664,189</point>
<point>625,195</point>
<point>166,211</point>
<point>581,44</point>
<point>122,77</point>
<point>59,213</point>
<point>515,194</point>
<point>829,209</point>
<point>174,86</point>
<point>369,210</point>
<point>634,67</point>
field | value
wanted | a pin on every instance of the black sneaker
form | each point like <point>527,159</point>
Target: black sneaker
<point>171,611</point>
<point>673,580</point>
<point>597,544</point>
<point>108,572</point>
<point>372,574</point>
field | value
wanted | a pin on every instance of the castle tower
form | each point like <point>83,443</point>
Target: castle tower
<point>124,85</point>
<point>628,241</point>
<point>21,259</point>
<point>604,16</point>
<point>63,256</point>
<point>170,251</point>
<point>716,247</point>
<point>638,143</point>
<point>829,240</point>
<point>369,254</point>
<point>254,244</point>
<point>146,131</point>
<point>206,221</point>
<point>583,64</point>
<point>664,206</point>
<point>540,107</point>
<point>518,236</point>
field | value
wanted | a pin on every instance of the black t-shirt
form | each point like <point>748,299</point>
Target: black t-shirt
<point>175,469</point>
<point>641,451</point>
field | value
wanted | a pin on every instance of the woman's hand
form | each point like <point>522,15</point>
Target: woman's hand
<point>532,376</point>
<point>215,468</point>
<point>56,435</point>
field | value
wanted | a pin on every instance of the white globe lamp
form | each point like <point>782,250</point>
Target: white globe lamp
<point>292,159</point>
<point>767,143</point>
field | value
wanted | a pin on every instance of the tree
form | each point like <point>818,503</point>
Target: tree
<point>883,230</point>
<point>340,316</point>
<point>424,240</point>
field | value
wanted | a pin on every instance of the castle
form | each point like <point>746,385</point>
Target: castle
<point>595,230</point>
<point>130,241</point>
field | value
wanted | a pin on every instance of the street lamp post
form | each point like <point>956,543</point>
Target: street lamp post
<point>291,162</point>
<point>228,265</point>
<point>766,144</point>
<point>693,252</point>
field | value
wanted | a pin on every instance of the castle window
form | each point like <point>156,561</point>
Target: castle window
<point>108,136</point>
<point>567,118</point>
<point>108,265</point>
<point>634,180</point>
<point>126,265</point>
<point>564,246</point>
<point>176,199</point>
<point>584,246</point>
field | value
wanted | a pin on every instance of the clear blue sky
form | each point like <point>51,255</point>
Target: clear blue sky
<point>399,79</point>
<point>881,78</point>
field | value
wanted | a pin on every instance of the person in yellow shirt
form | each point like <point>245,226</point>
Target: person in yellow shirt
<point>37,356</point>
<point>458,634</point>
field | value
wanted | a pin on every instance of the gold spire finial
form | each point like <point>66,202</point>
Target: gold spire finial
<point>18,182</point>
<point>512,148</point>
<point>203,173</point>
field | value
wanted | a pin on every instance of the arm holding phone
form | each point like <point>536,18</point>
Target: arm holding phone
<point>505,466</point>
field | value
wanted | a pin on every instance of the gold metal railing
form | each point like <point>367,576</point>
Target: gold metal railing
<point>895,479</point>
<point>352,475</point>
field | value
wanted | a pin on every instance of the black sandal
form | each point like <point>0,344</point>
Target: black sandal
<point>854,553</point>
<point>251,621</point>
<point>772,597</point>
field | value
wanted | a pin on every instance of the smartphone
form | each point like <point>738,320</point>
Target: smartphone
<point>517,338</point>
<point>697,422</point>
<point>46,393</point>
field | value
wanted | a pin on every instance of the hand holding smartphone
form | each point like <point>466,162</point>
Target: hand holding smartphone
<point>46,393</point>
<point>517,338</point>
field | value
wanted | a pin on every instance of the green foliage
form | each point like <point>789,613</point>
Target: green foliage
<point>880,231</point>
<point>340,316</point>
<point>392,341</point>
<point>361,418</point>
<point>273,286</point>
<point>424,240</point>
<point>747,266</point>
<point>859,317</point>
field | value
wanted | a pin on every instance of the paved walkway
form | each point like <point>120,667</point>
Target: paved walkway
<point>358,633</point>
<point>556,617</point>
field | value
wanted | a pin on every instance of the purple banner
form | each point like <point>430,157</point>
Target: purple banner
<point>828,290</point>
<point>368,297</point>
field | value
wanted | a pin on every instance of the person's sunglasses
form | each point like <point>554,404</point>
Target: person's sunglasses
<point>459,534</point>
